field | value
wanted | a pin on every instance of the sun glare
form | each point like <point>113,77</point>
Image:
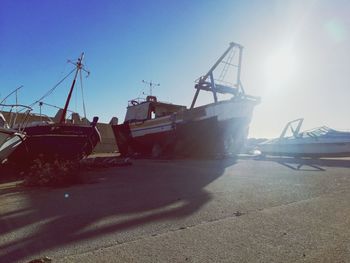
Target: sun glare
<point>280,67</point>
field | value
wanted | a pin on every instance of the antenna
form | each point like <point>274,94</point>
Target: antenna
<point>151,85</point>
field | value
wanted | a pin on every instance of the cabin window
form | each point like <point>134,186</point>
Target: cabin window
<point>153,115</point>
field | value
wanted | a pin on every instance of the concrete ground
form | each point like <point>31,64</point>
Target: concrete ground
<point>247,210</point>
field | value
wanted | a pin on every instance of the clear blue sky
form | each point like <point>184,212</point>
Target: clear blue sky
<point>296,53</point>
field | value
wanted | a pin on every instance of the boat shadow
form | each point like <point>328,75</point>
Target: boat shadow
<point>301,166</point>
<point>113,202</point>
<point>307,164</point>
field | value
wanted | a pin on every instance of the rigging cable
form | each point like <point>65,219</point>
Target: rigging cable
<point>82,93</point>
<point>54,106</point>
<point>52,90</point>
<point>227,65</point>
<point>14,91</point>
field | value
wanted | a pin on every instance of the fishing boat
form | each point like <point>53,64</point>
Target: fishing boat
<point>59,138</point>
<point>315,143</point>
<point>157,129</point>
<point>10,139</point>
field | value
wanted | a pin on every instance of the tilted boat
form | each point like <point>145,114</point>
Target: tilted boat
<point>318,142</point>
<point>158,128</point>
<point>59,139</point>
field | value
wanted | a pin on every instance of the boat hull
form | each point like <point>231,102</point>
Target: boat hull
<point>57,141</point>
<point>335,149</point>
<point>213,129</point>
<point>9,142</point>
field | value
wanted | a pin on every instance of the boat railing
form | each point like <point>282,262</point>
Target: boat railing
<point>136,101</point>
<point>316,132</point>
<point>13,111</point>
<point>290,126</point>
<point>140,100</point>
<point>42,116</point>
<point>312,134</point>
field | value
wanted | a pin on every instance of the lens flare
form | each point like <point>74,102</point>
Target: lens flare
<point>280,67</point>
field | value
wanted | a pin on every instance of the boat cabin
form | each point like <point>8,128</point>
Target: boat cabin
<point>140,110</point>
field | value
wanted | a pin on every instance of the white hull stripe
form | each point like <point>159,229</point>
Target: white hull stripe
<point>151,130</point>
<point>57,135</point>
<point>150,127</point>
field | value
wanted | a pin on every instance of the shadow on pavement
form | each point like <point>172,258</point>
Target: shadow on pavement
<point>119,199</point>
<point>304,164</point>
<point>301,166</point>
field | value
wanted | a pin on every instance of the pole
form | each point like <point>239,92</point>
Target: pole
<point>78,65</point>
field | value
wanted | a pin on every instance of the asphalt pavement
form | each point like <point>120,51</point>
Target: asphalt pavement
<point>245,210</point>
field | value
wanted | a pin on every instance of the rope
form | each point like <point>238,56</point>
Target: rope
<point>227,64</point>
<point>50,105</point>
<point>52,90</point>
<point>82,94</point>
<point>11,93</point>
<point>76,100</point>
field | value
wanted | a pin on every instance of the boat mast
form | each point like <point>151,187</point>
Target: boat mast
<point>78,68</point>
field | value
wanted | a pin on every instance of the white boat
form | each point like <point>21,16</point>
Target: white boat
<point>157,128</point>
<point>315,143</point>
<point>10,139</point>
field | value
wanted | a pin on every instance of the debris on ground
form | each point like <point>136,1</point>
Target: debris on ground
<point>238,213</point>
<point>56,173</point>
<point>97,162</point>
<point>62,173</point>
<point>41,260</point>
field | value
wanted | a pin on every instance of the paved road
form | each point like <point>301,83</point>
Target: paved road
<point>185,211</point>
